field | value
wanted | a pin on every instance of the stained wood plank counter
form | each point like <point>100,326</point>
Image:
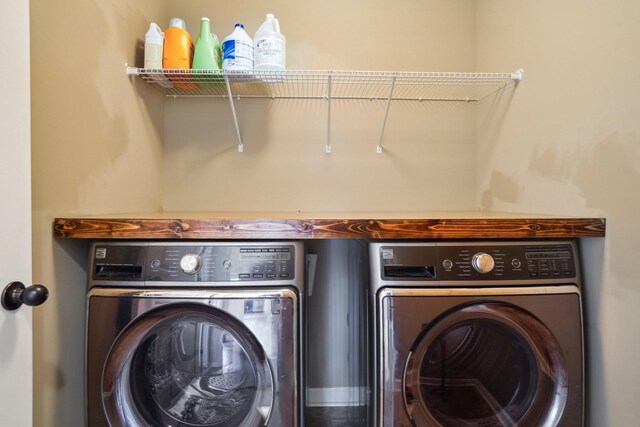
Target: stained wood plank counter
<point>301,225</point>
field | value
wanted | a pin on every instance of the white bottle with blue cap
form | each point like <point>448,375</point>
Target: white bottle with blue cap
<point>237,51</point>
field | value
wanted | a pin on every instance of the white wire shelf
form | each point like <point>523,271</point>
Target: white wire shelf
<point>328,85</point>
<point>301,84</point>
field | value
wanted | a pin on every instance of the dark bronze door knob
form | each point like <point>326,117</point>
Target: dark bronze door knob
<point>15,294</point>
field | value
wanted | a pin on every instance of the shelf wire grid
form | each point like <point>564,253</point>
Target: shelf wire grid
<point>350,85</point>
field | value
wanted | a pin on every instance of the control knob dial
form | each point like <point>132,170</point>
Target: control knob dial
<point>190,263</point>
<point>483,262</point>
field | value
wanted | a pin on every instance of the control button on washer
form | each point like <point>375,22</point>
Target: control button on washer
<point>190,263</point>
<point>155,264</point>
<point>284,275</point>
<point>447,263</point>
<point>258,276</point>
<point>516,263</point>
<point>244,275</point>
<point>226,264</point>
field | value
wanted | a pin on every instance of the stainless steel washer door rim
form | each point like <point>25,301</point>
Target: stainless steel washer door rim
<point>486,364</point>
<point>187,364</point>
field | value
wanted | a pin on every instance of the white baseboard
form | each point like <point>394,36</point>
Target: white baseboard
<point>336,396</point>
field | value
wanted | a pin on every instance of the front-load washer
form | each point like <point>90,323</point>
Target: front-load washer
<point>481,333</point>
<point>194,334</point>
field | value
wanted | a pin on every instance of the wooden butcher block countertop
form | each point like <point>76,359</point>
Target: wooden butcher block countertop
<point>328,225</point>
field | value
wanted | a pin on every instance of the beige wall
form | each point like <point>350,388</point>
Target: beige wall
<point>96,149</point>
<point>429,159</point>
<point>568,143</point>
<point>565,142</point>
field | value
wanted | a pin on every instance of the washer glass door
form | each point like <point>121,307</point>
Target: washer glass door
<point>486,364</point>
<point>187,365</point>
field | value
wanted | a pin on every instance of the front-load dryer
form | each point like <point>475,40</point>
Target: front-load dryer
<point>194,334</point>
<point>477,334</point>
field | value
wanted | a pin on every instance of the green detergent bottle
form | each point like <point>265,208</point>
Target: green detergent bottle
<point>207,57</point>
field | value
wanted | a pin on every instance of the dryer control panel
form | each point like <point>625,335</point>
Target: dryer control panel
<point>475,261</point>
<point>509,262</point>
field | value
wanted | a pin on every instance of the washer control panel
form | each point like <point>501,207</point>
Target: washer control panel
<point>198,263</point>
<point>512,262</point>
<point>220,263</point>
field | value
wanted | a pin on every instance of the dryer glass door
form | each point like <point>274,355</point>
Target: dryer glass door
<point>486,364</point>
<point>187,365</point>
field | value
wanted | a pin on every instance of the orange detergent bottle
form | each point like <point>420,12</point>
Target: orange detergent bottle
<point>178,53</point>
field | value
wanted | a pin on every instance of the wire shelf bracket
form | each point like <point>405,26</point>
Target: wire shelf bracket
<point>386,115</point>
<point>233,112</point>
<point>328,85</point>
<point>327,148</point>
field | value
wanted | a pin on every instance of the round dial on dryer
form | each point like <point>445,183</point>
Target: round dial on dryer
<point>483,262</point>
<point>190,263</point>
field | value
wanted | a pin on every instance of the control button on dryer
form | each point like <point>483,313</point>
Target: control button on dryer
<point>226,264</point>
<point>190,263</point>
<point>483,262</point>
<point>155,264</point>
<point>447,263</point>
<point>516,263</point>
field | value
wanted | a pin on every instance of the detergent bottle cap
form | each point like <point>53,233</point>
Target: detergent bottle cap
<point>178,23</point>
